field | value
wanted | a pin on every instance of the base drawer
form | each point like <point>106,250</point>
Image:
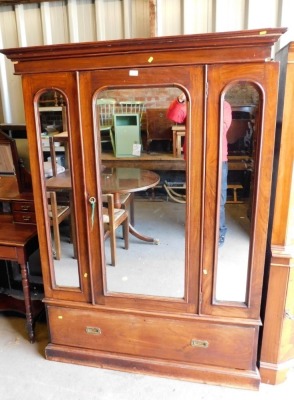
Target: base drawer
<point>196,341</point>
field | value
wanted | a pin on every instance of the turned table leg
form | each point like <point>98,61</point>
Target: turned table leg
<point>27,298</point>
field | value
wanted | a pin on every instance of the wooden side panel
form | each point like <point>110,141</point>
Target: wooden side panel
<point>277,347</point>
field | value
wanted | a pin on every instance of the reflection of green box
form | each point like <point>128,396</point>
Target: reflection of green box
<point>127,133</point>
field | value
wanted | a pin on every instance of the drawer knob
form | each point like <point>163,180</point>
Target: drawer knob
<point>91,330</point>
<point>199,343</point>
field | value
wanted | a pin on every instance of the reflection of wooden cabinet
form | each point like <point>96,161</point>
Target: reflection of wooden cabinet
<point>195,337</point>
<point>159,127</point>
<point>127,133</point>
<point>277,346</point>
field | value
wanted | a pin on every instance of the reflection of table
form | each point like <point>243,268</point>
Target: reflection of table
<point>240,163</point>
<point>154,161</point>
<point>17,243</point>
<point>128,180</point>
<point>179,131</point>
<point>116,181</point>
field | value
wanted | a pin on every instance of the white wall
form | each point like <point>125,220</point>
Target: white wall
<point>89,20</point>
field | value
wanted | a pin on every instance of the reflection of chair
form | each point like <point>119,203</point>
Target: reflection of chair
<point>132,107</point>
<point>106,111</point>
<point>57,214</point>
<point>112,219</point>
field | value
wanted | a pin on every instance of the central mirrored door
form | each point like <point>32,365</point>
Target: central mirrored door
<point>132,124</point>
<point>134,156</point>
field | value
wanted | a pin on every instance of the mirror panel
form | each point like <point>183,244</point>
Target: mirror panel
<point>55,139</point>
<point>131,125</point>
<point>236,191</point>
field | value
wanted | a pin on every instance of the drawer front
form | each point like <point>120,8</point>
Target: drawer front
<point>26,206</point>
<point>232,346</point>
<point>8,253</point>
<point>24,217</point>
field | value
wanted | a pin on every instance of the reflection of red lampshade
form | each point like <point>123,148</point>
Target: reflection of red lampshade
<point>177,112</point>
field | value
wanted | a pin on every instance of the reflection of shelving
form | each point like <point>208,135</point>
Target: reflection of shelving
<point>50,109</point>
<point>60,116</point>
<point>59,149</point>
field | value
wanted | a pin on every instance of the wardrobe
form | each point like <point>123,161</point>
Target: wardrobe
<point>277,345</point>
<point>203,333</point>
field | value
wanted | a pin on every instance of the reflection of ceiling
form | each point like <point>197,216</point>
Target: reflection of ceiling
<point>242,93</point>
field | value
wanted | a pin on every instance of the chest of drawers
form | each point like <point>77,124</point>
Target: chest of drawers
<point>23,211</point>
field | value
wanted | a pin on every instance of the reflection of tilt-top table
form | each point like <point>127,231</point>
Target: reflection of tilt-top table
<point>115,181</point>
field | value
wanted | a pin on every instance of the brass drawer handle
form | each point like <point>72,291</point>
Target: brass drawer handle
<point>199,343</point>
<point>91,330</point>
<point>25,208</point>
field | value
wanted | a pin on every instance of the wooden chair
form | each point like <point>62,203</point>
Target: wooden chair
<point>112,219</point>
<point>57,214</point>
<point>106,110</point>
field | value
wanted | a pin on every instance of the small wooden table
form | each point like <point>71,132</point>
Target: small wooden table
<point>17,243</point>
<point>179,131</point>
